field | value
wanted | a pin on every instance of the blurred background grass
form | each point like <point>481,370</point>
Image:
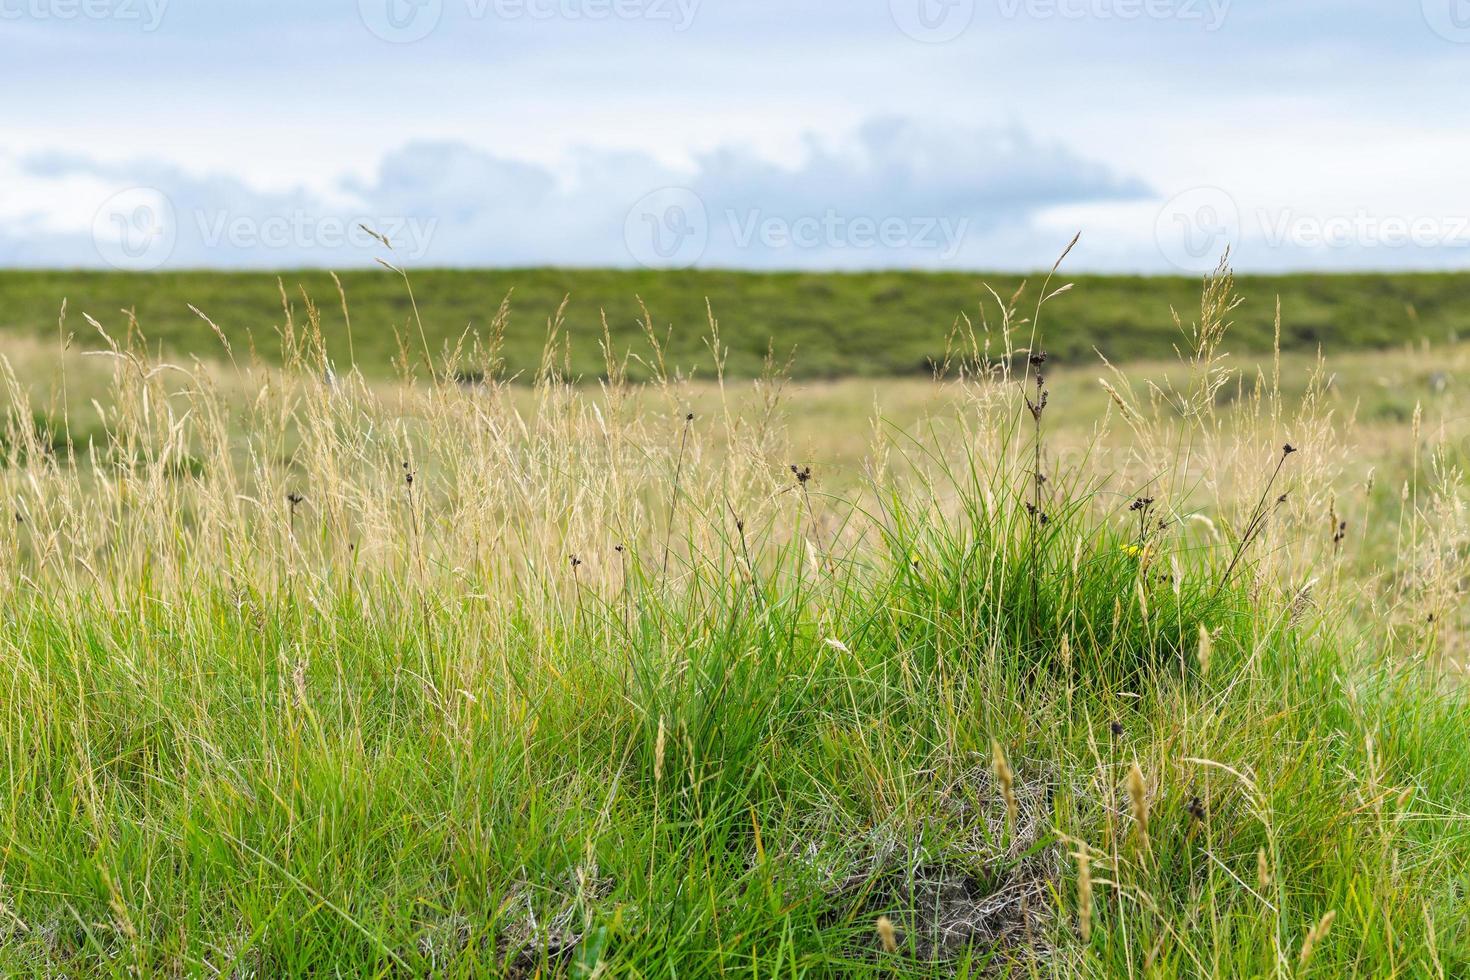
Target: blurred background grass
<point>878,324</point>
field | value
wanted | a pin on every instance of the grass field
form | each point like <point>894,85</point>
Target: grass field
<point>874,324</point>
<point>1048,669</point>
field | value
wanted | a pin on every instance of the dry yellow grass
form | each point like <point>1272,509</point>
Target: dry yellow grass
<point>515,475</point>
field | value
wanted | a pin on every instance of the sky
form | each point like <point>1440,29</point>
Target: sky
<point>762,134</point>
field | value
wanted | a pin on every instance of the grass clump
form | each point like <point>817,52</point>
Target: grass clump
<point>424,680</point>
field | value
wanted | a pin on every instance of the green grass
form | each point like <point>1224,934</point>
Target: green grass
<point>394,729</point>
<point>875,324</point>
<point>700,783</point>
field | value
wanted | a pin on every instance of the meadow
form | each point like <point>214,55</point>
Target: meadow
<point>432,659</point>
<point>826,325</point>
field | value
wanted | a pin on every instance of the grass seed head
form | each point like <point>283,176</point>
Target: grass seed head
<point>1006,779</point>
<point>1315,935</point>
<point>1084,895</point>
<point>887,934</point>
<point>298,683</point>
<point>1138,801</point>
<point>658,753</point>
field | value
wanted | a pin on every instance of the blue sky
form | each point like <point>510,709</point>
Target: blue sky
<point>761,133</point>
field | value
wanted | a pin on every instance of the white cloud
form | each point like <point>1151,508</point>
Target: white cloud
<point>892,192</point>
<point>896,192</point>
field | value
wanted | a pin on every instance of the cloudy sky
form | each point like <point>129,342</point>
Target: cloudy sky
<point>1309,134</point>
